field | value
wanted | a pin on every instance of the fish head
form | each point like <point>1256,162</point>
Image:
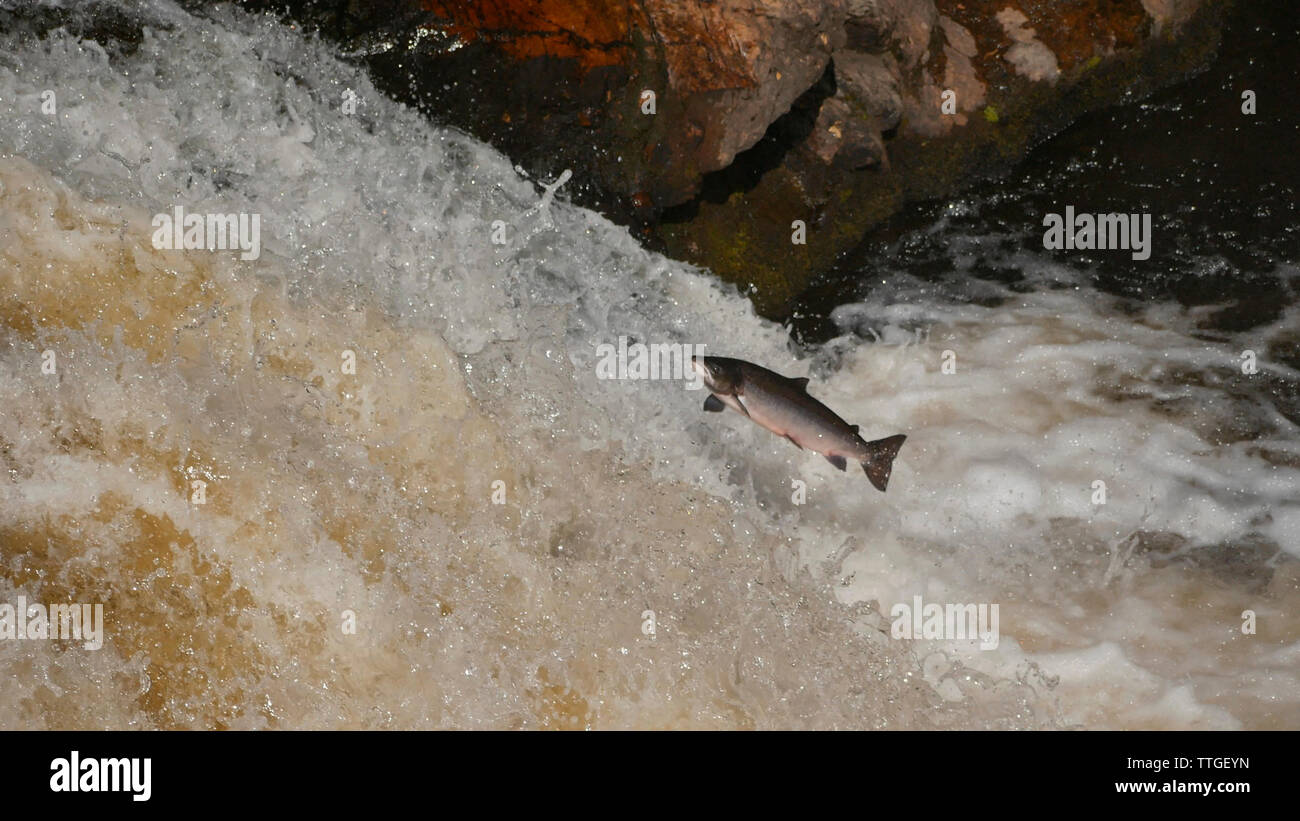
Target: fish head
<point>720,375</point>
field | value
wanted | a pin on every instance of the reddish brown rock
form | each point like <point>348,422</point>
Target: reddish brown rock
<point>592,32</point>
<point>952,90</point>
<point>562,83</point>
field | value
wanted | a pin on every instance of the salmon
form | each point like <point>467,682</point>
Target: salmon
<point>783,406</point>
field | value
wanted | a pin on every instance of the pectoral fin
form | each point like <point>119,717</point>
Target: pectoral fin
<point>714,405</point>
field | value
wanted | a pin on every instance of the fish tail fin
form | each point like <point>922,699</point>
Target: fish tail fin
<point>880,459</point>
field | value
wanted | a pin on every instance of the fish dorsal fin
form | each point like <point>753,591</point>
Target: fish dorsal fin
<point>854,427</point>
<point>801,383</point>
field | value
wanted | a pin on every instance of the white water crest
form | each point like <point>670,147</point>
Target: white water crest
<point>330,495</point>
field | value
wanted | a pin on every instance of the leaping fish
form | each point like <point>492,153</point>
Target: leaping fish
<point>783,406</point>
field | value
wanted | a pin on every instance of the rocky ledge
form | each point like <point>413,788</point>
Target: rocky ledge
<point>718,127</point>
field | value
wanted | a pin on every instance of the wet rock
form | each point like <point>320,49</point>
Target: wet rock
<point>1169,13</point>
<point>1029,56</point>
<point>842,138</point>
<point>872,82</point>
<point>741,64</point>
<point>959,72</point>
<point>903,27</point>
<point>955,91</point>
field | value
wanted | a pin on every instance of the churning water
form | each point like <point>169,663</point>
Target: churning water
<point>331,496</point>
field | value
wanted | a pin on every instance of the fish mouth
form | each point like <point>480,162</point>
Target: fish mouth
<point>702,371</point>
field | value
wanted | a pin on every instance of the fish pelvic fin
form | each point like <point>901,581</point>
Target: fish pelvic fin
<point>880,460</point>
